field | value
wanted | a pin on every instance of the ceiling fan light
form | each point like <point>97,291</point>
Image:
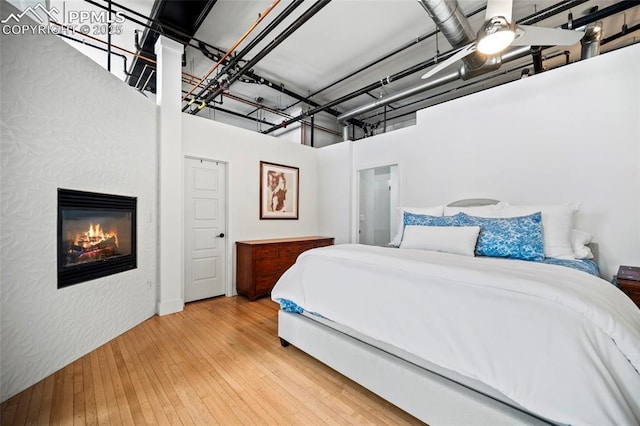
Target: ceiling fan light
<point>495,35</point>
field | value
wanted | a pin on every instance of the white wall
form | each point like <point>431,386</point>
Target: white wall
<point>571,134</point>
<point>335,201</point>
<point>243,150</point>
<point>67,123</point>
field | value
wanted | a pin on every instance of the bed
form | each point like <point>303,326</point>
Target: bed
<point>459,339</point>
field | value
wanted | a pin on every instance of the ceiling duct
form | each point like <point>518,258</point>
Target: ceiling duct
<point>591,40</point>
<point>455,27</point>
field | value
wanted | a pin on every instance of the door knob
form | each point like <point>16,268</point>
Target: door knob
<point>221,235</point>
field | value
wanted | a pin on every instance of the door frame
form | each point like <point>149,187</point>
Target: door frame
<point>228,285</point>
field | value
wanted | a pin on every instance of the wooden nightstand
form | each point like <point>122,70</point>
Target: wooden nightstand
<point>628,279</point>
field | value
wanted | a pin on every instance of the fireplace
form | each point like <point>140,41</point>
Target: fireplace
<point>96,235</point>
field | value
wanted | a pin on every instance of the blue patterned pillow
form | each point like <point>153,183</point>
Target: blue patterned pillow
<point>426,220</point>
<point>513,237</point>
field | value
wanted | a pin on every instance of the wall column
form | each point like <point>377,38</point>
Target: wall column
<point>168,99</point>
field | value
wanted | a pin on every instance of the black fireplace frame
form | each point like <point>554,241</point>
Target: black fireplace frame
<point>72,199</point>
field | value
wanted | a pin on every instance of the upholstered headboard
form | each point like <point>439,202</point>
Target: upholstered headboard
<point>473,202</point>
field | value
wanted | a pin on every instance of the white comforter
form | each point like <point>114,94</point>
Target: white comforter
<point>560,342</point>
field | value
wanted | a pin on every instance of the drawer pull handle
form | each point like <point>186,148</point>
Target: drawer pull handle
<point>221,235</point>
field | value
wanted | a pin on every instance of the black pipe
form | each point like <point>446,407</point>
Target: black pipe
<point>543,14</point>
<point>536,54</point>
<point>234,61</point>
<point>628,30</point>
<point>602,13</point>
<point>317,6</point>
<point>312,129</point>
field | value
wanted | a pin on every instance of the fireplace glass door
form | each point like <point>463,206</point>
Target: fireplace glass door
<point>96,235</point>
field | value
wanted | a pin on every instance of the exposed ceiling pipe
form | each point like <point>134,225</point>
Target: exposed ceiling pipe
<point>453,24</point>
<point>233,48</point>
<point>308,14</point>
<point>603,13</point>
<point>625,30</point>
<point>591,40</point>
<point>237,58</point>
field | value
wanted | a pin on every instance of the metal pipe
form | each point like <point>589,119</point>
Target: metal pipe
<point>429,84</point>
<point>455,27</point>
<point>602,13</point>
<point>614,37</point>
<point>236,44</point>
<point>312,128</point>
<point>591,40</point>
<point>237,58</point>
<point>345,132</point>
<point>308,14</point>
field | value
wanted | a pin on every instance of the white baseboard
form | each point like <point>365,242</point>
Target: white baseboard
<point>170,307</point>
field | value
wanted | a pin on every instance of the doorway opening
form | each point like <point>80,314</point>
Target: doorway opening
<point>378,200</point>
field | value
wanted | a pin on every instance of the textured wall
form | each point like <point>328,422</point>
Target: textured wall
<point>67,123</point>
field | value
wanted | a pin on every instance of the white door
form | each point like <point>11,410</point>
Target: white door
<point>205,221</point>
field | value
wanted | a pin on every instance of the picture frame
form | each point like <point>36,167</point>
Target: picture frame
<point>279,191</point>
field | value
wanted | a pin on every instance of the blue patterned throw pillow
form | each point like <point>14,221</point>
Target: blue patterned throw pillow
<point>426,220</point>
<point>513,237</point>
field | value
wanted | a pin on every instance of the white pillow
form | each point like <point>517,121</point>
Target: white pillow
<point>431,211</point>
<point>492,210</point>
<point>579,241</point>
<point>449,239</point>
<point>557,223</point>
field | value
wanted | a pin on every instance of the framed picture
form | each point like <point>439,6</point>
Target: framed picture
<point>278,191</point>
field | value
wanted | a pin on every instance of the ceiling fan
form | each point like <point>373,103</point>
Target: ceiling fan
<point>499,32</point>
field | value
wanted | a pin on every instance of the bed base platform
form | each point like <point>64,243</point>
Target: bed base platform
<point>422,393</point>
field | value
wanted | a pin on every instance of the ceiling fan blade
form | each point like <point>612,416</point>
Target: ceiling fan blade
<point>465,51</point>
<point>539,36</point>
<point>499,8</point>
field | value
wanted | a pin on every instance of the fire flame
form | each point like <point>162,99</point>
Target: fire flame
<point>93,236</point>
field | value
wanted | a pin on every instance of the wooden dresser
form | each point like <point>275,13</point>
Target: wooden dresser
<point>259,263</point>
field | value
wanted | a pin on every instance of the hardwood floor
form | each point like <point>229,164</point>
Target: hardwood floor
<point>217,362</point>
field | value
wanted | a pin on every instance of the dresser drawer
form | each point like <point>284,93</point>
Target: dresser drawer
<point>268,266</point>
<point>293,250</point>
<point>264,283</point>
